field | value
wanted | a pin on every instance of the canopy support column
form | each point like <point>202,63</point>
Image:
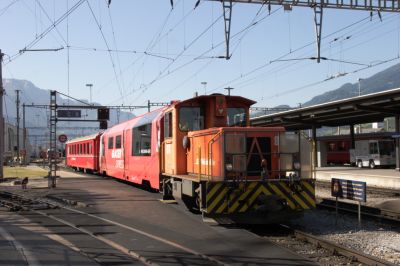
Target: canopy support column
<point>397,127</point>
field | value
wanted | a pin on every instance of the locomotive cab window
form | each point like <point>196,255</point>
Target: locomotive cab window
<point>191,118</point>
<point>141,140</point>
<point>110,142</point>
<point>236,117</point>
<point>118,142</point>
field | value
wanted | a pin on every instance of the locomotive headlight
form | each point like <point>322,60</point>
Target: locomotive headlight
<point>229,166</point>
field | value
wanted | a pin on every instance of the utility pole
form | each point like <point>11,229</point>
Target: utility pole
<point>24,134</point>
<point>17,103</point>
<point>229,90</point>
<point>1,118</point>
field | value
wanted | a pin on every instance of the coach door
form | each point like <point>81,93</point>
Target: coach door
<point>127,150</point>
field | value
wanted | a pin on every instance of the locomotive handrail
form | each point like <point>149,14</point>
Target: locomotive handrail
<point>210,142</point>
<point>162,168</point>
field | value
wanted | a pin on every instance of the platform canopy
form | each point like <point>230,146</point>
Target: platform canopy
<point>367,108</point>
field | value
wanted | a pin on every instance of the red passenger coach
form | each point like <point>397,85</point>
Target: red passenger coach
<point>83,153</point>
<point>130,150</point>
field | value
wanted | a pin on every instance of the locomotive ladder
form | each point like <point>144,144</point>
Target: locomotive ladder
<point>53,141</point>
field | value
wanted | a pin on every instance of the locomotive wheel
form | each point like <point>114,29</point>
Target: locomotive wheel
<point>192,203</point>
<point>167,189</point>
<point>359,164</point>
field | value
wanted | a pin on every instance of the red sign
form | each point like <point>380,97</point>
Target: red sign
<point>62,138</point>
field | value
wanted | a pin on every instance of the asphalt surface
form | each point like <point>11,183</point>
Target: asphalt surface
<point>135,221</point>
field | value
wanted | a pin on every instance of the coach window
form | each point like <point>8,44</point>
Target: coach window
<point>102,147</point>
<point>110,142</point>
<point>90,148</point>
<point>373,148</point>
<point>141,144</point>
<point>168,125</point>
<point>191,118</point>
<point>118,142</point>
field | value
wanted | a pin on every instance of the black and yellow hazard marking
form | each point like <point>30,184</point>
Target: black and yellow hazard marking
<point>239,197</point>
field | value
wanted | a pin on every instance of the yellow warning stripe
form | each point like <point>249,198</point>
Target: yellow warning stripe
<point>213,190</point>
<point>253,198</point>
<point>223,206</point>
<point>295,196</point>
<point>250,188</point>
<point>221,203</point>
<point>279,192</point>
<point>309,187</point>
<point>217,199</point>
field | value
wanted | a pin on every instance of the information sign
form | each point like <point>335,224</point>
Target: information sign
<point>349,189</point>
<point>69,113</point>
<point>62,138</point>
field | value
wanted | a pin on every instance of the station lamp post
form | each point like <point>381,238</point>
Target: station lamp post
<point>90,88</point>
<point>204,83</point>
<point>359,86</point>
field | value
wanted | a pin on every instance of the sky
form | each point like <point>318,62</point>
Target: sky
<point>138,50</point>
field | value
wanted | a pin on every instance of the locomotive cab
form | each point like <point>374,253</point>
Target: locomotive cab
<point>217,164</point>
<point>194,115</point>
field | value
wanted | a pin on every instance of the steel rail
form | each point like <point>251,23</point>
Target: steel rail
<point>12,206</point>
<point>373,213</point>
<point>111,243</point>
<point>339,249</point>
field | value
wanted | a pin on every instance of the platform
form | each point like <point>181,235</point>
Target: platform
<point>383,178</point>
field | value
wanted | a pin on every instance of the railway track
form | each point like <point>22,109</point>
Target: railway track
<point>353,255</point>
<point>323,251</point>
<point>46,209</point>
<point>366,211</point>
<point>15,202</point>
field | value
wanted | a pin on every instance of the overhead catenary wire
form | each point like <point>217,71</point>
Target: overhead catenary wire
<point>41,21</point>
<point>149,47</point>
<point>165,69</point>
<point>95,49</point>
<point>46,31</point>
<point>244,31</point>
<point>353,24</point>
<point>108,47</point>
<point>161,75</point>
<point>48,17</point>
<point>116,47</point>
<point>335,77</point>
<point>4,9</point>
<point>260,67</point>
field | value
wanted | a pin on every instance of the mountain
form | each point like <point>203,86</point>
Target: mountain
<point>384,80</point>
<point>37,119</point>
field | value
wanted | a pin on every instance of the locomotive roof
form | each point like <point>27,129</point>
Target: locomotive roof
<point>205,97</point>
<point>93,136</point>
